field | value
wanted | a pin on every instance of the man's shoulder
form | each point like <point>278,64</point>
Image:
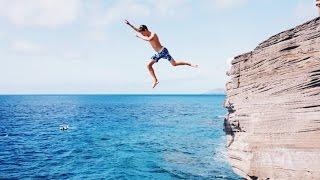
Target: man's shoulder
<point>154,34</point>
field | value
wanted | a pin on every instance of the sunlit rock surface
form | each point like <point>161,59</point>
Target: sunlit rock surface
<point>273,99</point>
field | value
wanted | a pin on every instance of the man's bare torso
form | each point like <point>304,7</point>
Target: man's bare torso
<point>155,43</point>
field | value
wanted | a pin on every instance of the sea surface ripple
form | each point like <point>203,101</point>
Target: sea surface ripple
<point>113,137</point>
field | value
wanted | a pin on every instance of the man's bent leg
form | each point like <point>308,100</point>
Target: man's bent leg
<point>179,63</point>
<point>150,68</point>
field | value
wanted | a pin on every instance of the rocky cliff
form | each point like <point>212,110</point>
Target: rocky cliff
<point>273,99</point>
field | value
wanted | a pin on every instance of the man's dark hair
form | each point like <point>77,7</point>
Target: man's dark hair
<point>143,28</point>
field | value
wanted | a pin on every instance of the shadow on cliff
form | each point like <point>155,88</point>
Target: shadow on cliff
<point>227,125</point>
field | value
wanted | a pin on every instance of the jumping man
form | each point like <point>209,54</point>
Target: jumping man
<point>162,52</point>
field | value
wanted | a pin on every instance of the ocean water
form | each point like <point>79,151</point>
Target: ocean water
<point>113,137</point>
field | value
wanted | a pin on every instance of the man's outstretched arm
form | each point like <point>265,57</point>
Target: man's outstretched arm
<point>146,38</point>
<point>133,27</point>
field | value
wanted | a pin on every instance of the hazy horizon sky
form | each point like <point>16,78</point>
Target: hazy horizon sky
<point>78,46</point>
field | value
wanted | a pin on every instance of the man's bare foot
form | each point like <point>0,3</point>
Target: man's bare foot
<point>155,84</point>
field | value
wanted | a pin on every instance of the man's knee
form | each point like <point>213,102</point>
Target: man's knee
<point>173,63</point>
<point>149,65</point>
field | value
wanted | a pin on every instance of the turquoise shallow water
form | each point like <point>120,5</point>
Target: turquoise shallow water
<point>113,137</point>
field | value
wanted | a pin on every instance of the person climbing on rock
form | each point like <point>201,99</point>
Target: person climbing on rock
<point>162,52</point>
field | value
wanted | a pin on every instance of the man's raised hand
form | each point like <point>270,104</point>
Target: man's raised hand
<point>129,24</point>
<point>126,22</point>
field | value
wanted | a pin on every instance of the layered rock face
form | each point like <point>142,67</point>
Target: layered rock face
<point>273,99</point>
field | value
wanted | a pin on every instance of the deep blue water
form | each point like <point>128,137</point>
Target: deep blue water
<point>113,137</point>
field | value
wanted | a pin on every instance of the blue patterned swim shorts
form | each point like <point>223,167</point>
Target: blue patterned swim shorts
<point>164,53</point>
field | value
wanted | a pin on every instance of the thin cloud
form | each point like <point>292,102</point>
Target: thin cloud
<point>101,17</point>
<point>72,55</point>
<point>97,35</point>
<point>171,8</point>
<point>27,47</point>
<point>40,13</point>
<point>305,10</point>
<point>138,9</point>
<point>1,34</point>
<point>120,10</point>
<point>23,47</point>
<point>226,4</point>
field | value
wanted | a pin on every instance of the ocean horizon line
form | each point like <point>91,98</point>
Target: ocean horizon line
<point>112,94</point>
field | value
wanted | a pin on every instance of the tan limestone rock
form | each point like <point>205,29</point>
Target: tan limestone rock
<point>273,99</point>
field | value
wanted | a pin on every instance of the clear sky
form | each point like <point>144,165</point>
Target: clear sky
<point>81,46</point>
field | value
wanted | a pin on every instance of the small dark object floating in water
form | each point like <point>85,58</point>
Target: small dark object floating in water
<point>64,127</point>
